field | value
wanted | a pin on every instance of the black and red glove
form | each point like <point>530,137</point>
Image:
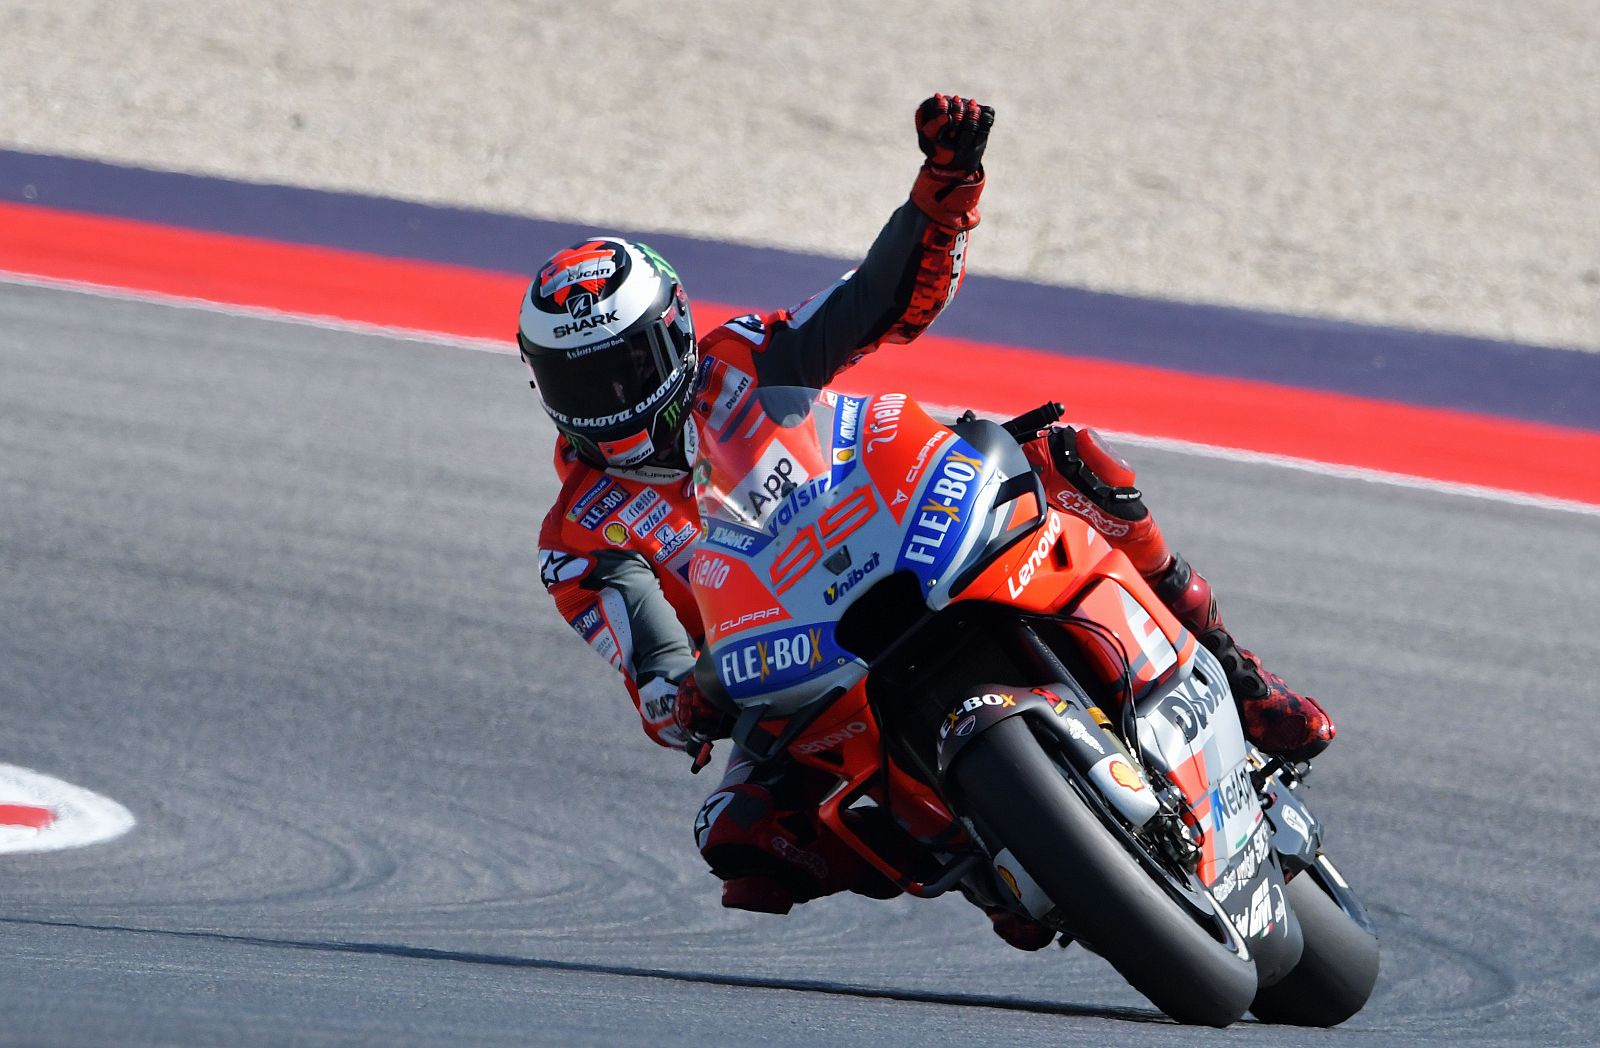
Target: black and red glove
<point>701,722</point>
<point>952,132</point>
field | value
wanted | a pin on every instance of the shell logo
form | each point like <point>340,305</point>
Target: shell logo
<point>1123,775</point>
<point>616,534</point>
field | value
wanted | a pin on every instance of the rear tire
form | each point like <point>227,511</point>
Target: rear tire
<point>1014,790</point>
<point>1336,972</point>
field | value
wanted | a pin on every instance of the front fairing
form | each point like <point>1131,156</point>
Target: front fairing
<point>809,500</point>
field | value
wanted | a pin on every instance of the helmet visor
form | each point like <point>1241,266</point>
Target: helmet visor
<point>610,387</point>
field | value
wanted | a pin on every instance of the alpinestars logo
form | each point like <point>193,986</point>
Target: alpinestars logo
<point>1078,504</point>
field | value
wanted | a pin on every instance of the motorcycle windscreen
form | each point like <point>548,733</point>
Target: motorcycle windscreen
<point>766,481</point>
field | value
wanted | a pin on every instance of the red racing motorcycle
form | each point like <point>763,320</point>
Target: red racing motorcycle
<point>1003,707</point>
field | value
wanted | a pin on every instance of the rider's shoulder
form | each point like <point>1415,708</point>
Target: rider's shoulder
<point>728,354</point>
<point>751,330</point>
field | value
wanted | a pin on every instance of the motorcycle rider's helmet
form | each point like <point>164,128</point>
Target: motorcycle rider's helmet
<point>605,329</point>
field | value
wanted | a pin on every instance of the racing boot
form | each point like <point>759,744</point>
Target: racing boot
<point>1277,720</point>
<point>759,893</point>
<point>1019,931</point>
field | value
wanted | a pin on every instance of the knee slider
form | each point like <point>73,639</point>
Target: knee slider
<point>730,816</point>
<point>741,833</point>
<point>1097,471</point>
<point>1187,594</point>
<point>736,831</point>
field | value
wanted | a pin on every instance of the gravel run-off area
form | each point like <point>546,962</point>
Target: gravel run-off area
<point>1428,164</point>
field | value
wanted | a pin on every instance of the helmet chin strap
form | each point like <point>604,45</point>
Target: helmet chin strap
<point>670,463</point>
<point>648,473</point>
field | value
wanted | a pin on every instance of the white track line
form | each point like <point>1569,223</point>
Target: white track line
<point>1331,469</point>
<point>1182,447</point>
<point>1371,476</point>
<point>481,345</point>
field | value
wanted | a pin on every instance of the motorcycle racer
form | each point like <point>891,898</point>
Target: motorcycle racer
<point>606,330</point>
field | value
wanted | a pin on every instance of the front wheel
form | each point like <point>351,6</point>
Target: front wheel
<point>1337,970</point>
<point>1018,796</point>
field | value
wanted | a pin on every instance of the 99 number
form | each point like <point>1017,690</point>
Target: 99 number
<point>832,528</point>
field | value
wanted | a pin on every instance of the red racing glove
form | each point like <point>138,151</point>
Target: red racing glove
<point>952,132</point>
<point>701,722</point>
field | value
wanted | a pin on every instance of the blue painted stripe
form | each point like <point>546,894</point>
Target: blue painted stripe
<point>1535,383</point>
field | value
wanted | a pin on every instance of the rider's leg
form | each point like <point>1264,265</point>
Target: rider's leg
<point>1086,478</point>
<point>1276,718</point>
<point>770,858</point>
<point>759,832</point>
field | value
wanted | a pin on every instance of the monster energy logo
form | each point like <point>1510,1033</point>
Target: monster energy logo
<point>661,264</point>
<point>671,413</point>
<point>583,444</point>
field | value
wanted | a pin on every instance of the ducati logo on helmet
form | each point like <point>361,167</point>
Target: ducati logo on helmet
<point>594,270</point>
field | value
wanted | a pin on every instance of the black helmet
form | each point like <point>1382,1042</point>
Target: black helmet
<point>605,329</point>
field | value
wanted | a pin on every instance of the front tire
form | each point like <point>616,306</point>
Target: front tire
<point>1018,796</point>
<point>1337,970</point>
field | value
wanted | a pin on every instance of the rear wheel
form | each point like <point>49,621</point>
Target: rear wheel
<point>1012,787</point>
<point>1336,972</point>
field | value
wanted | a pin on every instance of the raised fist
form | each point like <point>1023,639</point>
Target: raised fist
<point>952,131</point>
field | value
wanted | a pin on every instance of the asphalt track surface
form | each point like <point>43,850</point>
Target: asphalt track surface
<point>272,587</point>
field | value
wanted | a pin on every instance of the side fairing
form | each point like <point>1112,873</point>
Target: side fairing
<point>1189,721</point>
